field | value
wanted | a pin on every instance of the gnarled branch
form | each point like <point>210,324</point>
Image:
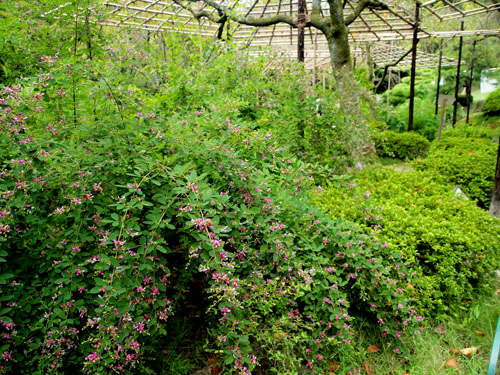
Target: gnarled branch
<point>391,64</point>
<point>370,4</point>
<point>244,20</point>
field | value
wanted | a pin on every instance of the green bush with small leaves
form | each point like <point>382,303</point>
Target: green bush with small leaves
<point>450,244</point>
<point>468,163</point>
<point>408,145</point>
<point>492,103</point>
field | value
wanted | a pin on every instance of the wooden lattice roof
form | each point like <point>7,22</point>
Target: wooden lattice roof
<point>372,25</point>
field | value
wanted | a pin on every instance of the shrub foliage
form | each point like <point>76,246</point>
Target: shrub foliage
<point>468,163</point>
<point>451,244</point>
<point>492,103</point>
<point>401,145</point>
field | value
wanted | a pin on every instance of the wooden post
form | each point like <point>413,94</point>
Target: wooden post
<point>439,75</point>
<point>443,107</point>
<point>301,23</point>
<point>413,66</point>
<point>457,83</point>
<point>469,86</point>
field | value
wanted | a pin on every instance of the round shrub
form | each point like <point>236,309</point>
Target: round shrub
<point>408,145</point>
<point>450,243</point>
<point>492,103</point>
<point>466,162</point>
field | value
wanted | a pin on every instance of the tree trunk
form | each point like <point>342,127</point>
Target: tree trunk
<point>340,56</point>
<point>495,199</point>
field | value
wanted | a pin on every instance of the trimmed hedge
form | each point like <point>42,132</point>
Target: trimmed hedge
<point>450,244</point>
<point>492,103</point>
<point>401,145</point>
<point>466,162</point>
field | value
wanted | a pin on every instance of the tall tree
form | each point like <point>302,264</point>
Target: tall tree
<point>333,25</point>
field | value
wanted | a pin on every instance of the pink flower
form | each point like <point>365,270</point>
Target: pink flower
<point>92,357</point>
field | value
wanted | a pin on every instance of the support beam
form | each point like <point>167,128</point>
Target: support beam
<point>469,86</point>
<point>413,66</point>
<point>439,75</point>
<point>457,83</point>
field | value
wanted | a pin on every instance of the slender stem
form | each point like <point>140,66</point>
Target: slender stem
<point>75,121</point>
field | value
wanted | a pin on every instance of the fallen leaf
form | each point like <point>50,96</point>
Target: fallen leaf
<point>454,351</point>
<point>211,361</point>
<point>452,362</point>
<point>333,366</point>
<point>469,351</point>
<point>480,333</point>
<point>279,335</point>
<point>215,370</point>
<point>367,369</point>
<point>372,349</point>
<point>440,329</point>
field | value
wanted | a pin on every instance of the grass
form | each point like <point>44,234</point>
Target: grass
<point>424,354</point>
<point>429,351</point>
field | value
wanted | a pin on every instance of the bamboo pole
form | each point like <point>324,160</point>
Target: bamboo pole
<point>443,107</point>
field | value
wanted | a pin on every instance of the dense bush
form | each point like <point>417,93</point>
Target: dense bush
<point>465,162</point>
<point>451,245</point>
<point>492,103</point>
<point>425,122</point>
<point>474,130</point>
<point>401,145</point>
<point>117,203</point>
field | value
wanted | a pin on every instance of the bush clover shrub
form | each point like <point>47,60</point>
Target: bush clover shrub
<point>119,203</point>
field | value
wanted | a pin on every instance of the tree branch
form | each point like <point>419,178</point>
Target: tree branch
<point>362,5</point>
<point>244,20</point>
<point>387,66</point>
<point>316,8</point>
<point>200,14</point>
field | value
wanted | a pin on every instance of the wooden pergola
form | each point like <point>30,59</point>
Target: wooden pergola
<point>372,25</point>
<point>376,26</point>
